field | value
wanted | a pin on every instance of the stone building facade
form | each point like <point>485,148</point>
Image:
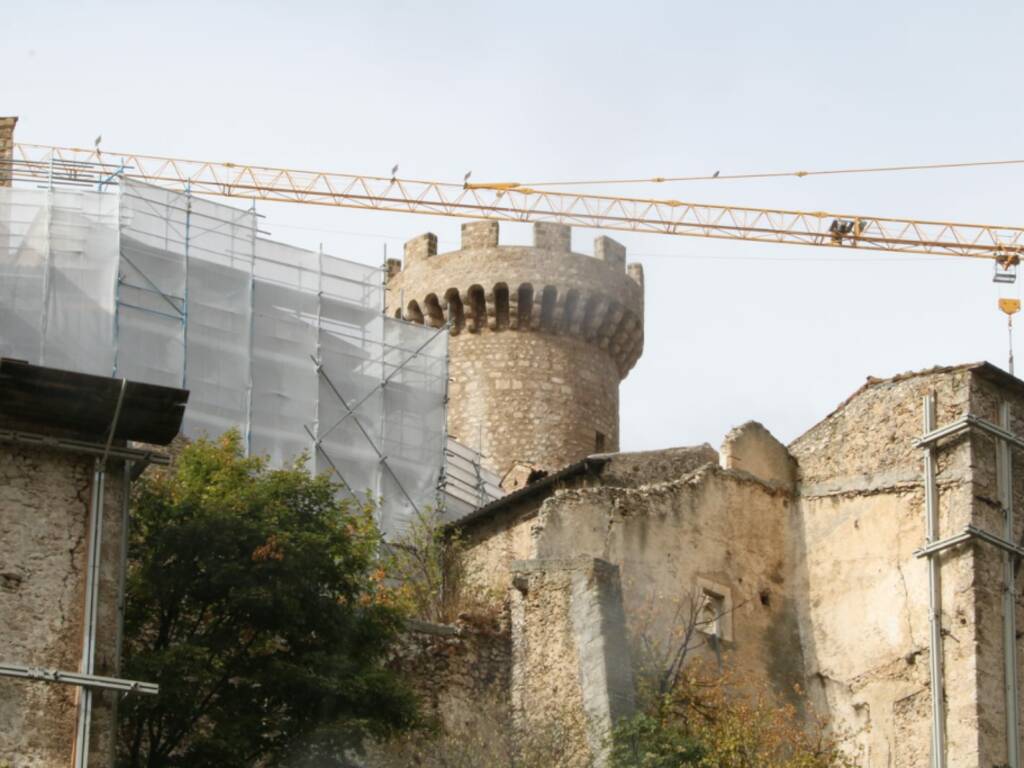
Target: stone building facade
<point>540,339</point>
<point>44,514</point>
<point>811,554</point>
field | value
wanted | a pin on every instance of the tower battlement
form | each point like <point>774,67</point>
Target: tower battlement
<point>545,288</point>
<point>541,338</point>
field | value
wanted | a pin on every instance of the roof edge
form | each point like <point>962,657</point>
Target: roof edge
<point>584,466</point>
<point>983,368</point>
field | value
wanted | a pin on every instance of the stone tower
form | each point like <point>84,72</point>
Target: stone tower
<point>540,339</point>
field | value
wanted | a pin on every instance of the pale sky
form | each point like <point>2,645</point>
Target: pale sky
<point>530,91</point>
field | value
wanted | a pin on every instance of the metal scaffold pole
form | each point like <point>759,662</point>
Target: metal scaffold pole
<point>1004,479</point>
<point>931,497</point>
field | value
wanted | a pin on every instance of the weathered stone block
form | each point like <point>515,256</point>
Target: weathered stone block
<point>636,273</point>
<point>554,237</point>
<point>420,248</point>
<point>479,234</point>
<point>610,251</point>
<point>752,448</point>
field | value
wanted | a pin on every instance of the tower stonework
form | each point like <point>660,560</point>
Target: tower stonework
<point>6,149</point>
<point>540,339</point>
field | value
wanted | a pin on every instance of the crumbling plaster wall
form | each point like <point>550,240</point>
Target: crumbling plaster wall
<point>705,525</point>
<point>863,596</point>
<point>44,514</point>
<point>712,527</point>
<point>496,541</point>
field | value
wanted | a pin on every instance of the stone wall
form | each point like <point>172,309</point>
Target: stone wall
<point>814,549</point>
<point>863,595</point>
<point>6,148</point>
<point>986,394</point>
<point>571,676</point>
<point>702,528</point>
<point>532,398</point>
<point>461,673</point>
<point>44,514</point>
<point>505,534</point>
<point>542,684</point>
<point>541,338</point>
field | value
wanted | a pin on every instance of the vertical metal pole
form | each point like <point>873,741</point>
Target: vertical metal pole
<point>319,324</point>
<point>1009,328</point>
<point>92,589</point>
<point>87,666</point>
<point>126,482</point>
<point>117,282</point>
<point>252,324</point>
<point>931,500</point>
<point>184,306</point>
<point>443,478</point>
<point>382,422</point>
<point>1004,479</point>
<point>47,249</point>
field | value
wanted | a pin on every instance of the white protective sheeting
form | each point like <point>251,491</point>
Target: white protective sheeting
<point>58,270</point>
<point>286,345</point>
<point>151,290</point>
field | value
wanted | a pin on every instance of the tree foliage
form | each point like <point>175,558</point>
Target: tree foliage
<point>708,721</point>
<point>694,714</point>
<point>254,600</point>
<point>434,579</point>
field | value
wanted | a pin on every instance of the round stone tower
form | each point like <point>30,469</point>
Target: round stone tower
<point>540,339</point>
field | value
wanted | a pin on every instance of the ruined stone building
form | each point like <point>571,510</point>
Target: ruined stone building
<point>812,555</point>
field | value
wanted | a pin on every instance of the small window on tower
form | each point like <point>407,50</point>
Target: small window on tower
<point>599,442</point>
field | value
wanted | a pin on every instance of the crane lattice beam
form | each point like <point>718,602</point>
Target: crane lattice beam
<point>514,202</point>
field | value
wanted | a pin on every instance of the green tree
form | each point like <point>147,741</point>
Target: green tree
<point>255,601</point>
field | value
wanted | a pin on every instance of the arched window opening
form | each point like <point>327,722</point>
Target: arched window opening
<point>413,313</point>
<point>547,307</point>
<point>524,306</point>
<point>453,303</point>
<point>501,305</point>
<point>435,315</point>
<point>478,308</point>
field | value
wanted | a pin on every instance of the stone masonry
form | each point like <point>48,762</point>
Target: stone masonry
<point>863,603</point>
<point>6,148</point>
<point>540,338</point>
<point>811,551</point>
<point>570,657</point>
<point>541,683</point>
<point>44,514</point>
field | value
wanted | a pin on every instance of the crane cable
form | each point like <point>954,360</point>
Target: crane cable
<point>767,175</point>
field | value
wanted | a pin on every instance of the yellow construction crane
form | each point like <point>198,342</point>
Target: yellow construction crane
<point>510,201</point>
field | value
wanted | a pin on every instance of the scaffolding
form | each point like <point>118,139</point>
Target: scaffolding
<point>289,346</point>
<point>1012,555</point>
